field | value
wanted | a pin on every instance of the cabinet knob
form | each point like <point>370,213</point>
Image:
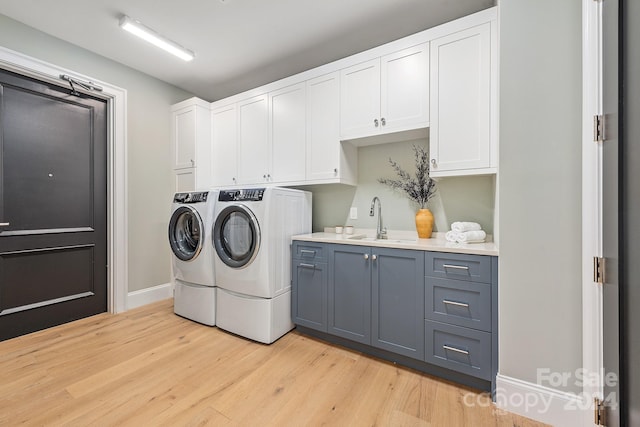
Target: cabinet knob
<point>264,176</point>
<point>375,122</point>
<point>268,177</point>
<point>433,163</point>
<point>192,162</point>
<point>233,179</point>
<point>374,257</point>
<point>366,256</point>
<point>383,121</point>
<point>335,171</point>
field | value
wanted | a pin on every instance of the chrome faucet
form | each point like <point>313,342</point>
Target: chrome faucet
<point>381,233</point>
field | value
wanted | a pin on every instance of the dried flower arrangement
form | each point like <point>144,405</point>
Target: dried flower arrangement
<point>421,188</point>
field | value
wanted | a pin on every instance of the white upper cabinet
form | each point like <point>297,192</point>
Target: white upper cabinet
<point>224,145</point>
<point>253,150</point>
<point>287,134</point>
<point>387,94</point>
<point>462,138</point>
<point>328,160</point>
<point>191,140</point>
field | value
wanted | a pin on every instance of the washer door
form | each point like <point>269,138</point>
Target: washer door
<point>236,236</point>
<point>186,233</point>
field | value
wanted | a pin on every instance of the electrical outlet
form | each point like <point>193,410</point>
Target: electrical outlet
<point>353,213</point>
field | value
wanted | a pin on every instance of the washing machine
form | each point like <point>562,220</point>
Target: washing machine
<point>252,240</point>
<point>192,255</point>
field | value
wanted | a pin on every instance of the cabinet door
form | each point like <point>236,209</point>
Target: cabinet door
<point>360,100</point>
<point>350,292</point>
<point>398,301</point>
<point>287,133</point>
<point>405,89</point>
<point>224,145</point>
<point>323,127</point>
<point>253,120</point>
<point>460,101</point>
<point>309,294</point>
<point>183,123</point>
<point>184,180</point>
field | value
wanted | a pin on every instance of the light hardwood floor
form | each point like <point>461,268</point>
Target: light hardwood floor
<point>149,367</point>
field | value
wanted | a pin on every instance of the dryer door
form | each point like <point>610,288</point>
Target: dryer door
<point>236,236</point>
<point>186,233</point>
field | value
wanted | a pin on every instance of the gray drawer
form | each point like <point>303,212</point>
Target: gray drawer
<point>471,268</point>
<point>309,251</point>
<point>459,303</point>
<point>460,349</point>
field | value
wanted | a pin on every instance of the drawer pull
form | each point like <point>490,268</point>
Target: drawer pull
<point>307,251</point>
<point>456,267</point>
<point>459,304</point>
<point>302,264</point>
<point>457,350</point>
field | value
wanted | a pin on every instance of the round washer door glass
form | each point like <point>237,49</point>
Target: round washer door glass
<point>236,236</point>
<point>186,234</point>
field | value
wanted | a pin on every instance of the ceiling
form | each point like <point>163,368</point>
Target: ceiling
<point>239,44</point>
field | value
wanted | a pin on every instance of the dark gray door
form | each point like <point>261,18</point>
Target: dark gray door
<point>53,192</point>
<point>630,231</point>
<point>610,204</point>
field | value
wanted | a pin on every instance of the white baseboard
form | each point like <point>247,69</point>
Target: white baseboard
<point>149,295</point>
<point>542,403</point>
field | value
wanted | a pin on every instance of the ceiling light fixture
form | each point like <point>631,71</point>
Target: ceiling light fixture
<point>139,29</point>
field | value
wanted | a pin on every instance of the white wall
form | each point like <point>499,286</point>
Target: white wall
<point>457,199</point>
<point>540,313</point>
<point>149,153</point>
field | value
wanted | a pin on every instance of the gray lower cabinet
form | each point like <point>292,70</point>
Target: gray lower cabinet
<point>350,292</point>
<point>309,290</point>
<point>398,301</point>
<point>432,311</point>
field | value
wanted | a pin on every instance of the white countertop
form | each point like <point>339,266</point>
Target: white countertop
<point>402,240</point>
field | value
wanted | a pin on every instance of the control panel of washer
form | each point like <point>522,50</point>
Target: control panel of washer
<point>194,197</point>
<point>242,195</point>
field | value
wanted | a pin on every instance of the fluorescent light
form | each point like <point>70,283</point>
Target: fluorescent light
<point>137,28</point>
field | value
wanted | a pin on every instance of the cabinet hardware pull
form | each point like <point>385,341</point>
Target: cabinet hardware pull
<point>335,170</point>
<point>366,256</point>
<point>456,267</point>
<point>374,257</point>
<point>383,121</point>
<point>307,251</point>
<point>375,122</point>
<point>4,224</point>
<point>433,163</point>
<point>457,350</point>
<point>459,304</point>
<point>302,264</point>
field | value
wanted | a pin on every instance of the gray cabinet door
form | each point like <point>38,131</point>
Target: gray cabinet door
<point>350,292</point>
<point>309,294</point>
<point>398,301</point>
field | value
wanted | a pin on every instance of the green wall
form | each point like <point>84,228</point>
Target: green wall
<point>457,199</point>
<point>540,188</point>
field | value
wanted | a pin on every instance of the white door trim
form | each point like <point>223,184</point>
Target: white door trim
<point>117,273</point>
<point>591,196</point>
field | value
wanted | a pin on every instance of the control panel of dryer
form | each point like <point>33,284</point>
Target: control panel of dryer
<point>194,197</point>
<point>242,195</point>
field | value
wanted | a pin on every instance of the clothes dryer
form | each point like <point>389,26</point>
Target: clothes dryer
<point>252,240</point>
<point>192,255</point>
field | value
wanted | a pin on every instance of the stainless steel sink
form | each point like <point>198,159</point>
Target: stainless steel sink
<point>364,238</point>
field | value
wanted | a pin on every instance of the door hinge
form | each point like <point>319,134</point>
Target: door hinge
<point>598,128</point>
<point>600,412</point>
<point>598,269</point>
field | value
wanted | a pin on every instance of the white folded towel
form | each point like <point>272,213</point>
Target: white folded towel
<point>461,226</point>
<point>474,236</point>
<point>451,236</point>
